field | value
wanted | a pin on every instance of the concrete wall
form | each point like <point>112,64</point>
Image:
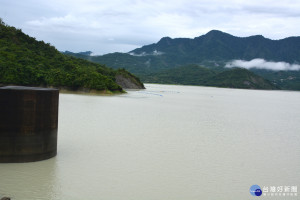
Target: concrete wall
<point>28,123</point>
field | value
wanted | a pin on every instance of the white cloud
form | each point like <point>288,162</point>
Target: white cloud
<point>259,63</point>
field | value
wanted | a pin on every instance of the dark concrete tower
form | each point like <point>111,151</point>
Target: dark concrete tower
<point>28,123</point>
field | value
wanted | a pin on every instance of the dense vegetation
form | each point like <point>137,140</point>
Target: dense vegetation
<point>240,78</point>
<point>26,61</point>
<point>186,75</point>
<point>197,75</point>
<point>162,62</point>
<point>287,80</point>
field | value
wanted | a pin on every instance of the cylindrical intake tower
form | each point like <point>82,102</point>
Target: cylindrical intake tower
<point>28,123</point>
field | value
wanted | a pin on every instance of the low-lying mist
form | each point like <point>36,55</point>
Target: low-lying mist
<point>259,63</point>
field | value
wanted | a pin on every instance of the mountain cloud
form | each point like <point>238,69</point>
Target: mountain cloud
<point>259,63</point>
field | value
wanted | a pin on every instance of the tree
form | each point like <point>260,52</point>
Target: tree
<point>2,22</point>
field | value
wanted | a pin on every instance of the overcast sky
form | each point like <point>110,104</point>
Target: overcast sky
<point>106,26</point>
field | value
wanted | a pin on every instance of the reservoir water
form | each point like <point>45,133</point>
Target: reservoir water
<point>167,143</point>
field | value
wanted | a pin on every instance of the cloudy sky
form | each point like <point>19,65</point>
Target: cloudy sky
<point>106,26</point>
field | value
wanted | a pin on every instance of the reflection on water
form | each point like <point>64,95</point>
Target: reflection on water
<point>166,142</point>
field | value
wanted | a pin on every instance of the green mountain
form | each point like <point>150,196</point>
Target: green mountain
<point>26,61</point>
<point>219,46</point>
<point>185,75</point>
<point>197,75</point>
<point>287,80</point>
<point>212,50</point>
<point>240,78</point>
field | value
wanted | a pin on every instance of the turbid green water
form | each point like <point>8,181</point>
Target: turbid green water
<point>166,143</point>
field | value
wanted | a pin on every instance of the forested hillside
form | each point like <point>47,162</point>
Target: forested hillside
<point>26,61</point>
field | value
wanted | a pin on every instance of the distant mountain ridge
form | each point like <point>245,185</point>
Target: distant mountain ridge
<point>217,45</point>
<point>84,53</point>
<point>213,51</point>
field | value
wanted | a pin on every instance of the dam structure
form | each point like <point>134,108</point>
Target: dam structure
<point>28,123</point>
